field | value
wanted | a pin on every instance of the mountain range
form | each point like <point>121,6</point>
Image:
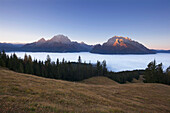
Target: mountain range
<point>61,43</point>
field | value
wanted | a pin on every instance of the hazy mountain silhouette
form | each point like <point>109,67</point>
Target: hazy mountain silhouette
<point>10,46</point>
<point>161,51</point>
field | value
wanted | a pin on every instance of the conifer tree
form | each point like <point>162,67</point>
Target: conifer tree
<point>104,68</point>
<point>21,68</point>
<point>99,69</point>
<point>154,73</point>
<point>25,58</point>
<point>79,59</point>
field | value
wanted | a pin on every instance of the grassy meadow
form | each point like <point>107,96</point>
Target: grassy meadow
<point>21,93</point>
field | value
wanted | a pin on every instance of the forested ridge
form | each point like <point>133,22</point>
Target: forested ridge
<point>76,71</point>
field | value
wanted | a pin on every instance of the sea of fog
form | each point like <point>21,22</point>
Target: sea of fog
<point>114,62</point>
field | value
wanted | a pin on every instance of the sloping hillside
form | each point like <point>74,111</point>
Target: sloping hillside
<point>28,93</point>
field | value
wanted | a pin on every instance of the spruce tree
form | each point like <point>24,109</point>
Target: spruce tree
<point>79,59</point>
<point>104,68</point>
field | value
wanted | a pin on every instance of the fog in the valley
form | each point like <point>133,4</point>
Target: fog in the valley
<point>114,62</point>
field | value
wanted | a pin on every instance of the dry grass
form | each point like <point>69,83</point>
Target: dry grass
<point>27,93</point>
<point>140,80</point>
<point>99,80</point>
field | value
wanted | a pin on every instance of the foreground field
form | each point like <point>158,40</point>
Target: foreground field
<point>28,93</point>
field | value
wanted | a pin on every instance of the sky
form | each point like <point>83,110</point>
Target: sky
<point>90,21</point>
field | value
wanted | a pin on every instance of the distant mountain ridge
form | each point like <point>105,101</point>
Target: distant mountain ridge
<point>61,43</point>
<point>121,45</point>
<point>161,51</point>
<point>10,47</point>
<point>58,43</point>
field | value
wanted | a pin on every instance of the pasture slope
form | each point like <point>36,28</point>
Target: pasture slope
<point>22,93</point>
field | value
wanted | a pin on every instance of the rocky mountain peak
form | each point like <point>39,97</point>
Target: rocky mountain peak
<point>83,43</point>
<point>121,45</point>
<point>42,40</point>
<point>118,40</point>
<point>127,38</point>
<point>61,39</point>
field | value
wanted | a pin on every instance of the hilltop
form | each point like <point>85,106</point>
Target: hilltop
<point>28,93</point>
<point>99,80</point>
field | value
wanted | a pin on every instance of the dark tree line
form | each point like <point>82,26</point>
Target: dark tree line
<point>65,70</point>
<point>154,74</point>
<point>124,76</point>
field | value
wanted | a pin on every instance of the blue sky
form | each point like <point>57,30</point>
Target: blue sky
<point>91,21</point>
